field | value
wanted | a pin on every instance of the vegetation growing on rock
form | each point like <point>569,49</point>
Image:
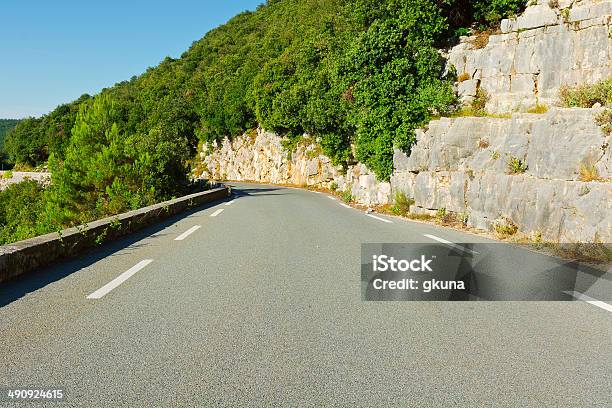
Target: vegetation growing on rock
<point>585,96</point>
<point>348,72</point>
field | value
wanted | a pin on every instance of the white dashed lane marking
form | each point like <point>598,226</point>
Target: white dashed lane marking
<point>451,244</point>
<point>590,300</point>
<point>187,233</point>
<point>379,219</point>
<point>219,211</point>
<point>119,280</point>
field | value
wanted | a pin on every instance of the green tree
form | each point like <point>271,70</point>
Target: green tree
<point>491,12</point>
<point>394,76</point>
<point>107,170</point>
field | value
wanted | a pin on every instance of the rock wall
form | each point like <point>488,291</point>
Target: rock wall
<point>554,43</point>
<point>462,165</point>
<point>261,157</point>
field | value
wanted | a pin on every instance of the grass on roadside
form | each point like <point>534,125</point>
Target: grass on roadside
<point>505,229</point>
<point>401,204</point>
<point>347,196</point>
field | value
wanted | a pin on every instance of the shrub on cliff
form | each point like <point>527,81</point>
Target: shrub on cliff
<point>394,73</point>
<point>490,12</point>
<point>585,96</point>
<point>604,120</point>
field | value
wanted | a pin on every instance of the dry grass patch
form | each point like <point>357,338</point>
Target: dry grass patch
<point>463,77</point>
<point>596,253</point>
<point>420,217</point>
<point>538,109</point>
<point>453,219</point>
<point>480,40</point>
<point>588,172</point>
<point>483,143</point>
<point>586,252</point>
<point>505,228</point>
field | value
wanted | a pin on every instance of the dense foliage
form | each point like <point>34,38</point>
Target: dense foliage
<point>5,126</point>
<point>107,169</point>
<point>360,75</point>
<point>33,138</point>
<point>20,207</point>
<point>490,12</point>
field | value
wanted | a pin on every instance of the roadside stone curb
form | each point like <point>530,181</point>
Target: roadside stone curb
<point>26,256</point>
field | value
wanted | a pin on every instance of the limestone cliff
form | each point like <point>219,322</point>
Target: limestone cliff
<point>527,169</point>
<point>261,157</point>
<point>464,165</point>
<point>553,43</point>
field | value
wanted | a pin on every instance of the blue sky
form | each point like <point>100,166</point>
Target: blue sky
<point>51,52</point>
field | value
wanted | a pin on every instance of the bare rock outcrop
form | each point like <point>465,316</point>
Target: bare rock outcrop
<point>261,157</point>
<point>464,165</point>
<point>548,174</point>
<point>553,43</point>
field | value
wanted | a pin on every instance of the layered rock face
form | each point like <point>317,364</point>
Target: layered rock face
<point>463,165</point>
<point>261,157</point>
<point>553,43</point>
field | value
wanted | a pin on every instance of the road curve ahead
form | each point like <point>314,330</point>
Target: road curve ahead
<point>255,301</point>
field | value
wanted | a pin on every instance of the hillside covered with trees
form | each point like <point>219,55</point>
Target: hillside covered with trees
<point>360,72</point>
<point>5,126</point>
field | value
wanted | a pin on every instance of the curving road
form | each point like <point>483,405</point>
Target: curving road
<point>255,301</point>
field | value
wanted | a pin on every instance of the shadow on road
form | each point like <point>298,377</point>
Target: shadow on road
<point>22,285</point>
<point>238,191</point>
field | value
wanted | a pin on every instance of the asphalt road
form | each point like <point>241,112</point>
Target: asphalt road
<point>261,306</point>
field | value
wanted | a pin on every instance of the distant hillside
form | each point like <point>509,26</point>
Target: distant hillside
<point>5,126</point>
